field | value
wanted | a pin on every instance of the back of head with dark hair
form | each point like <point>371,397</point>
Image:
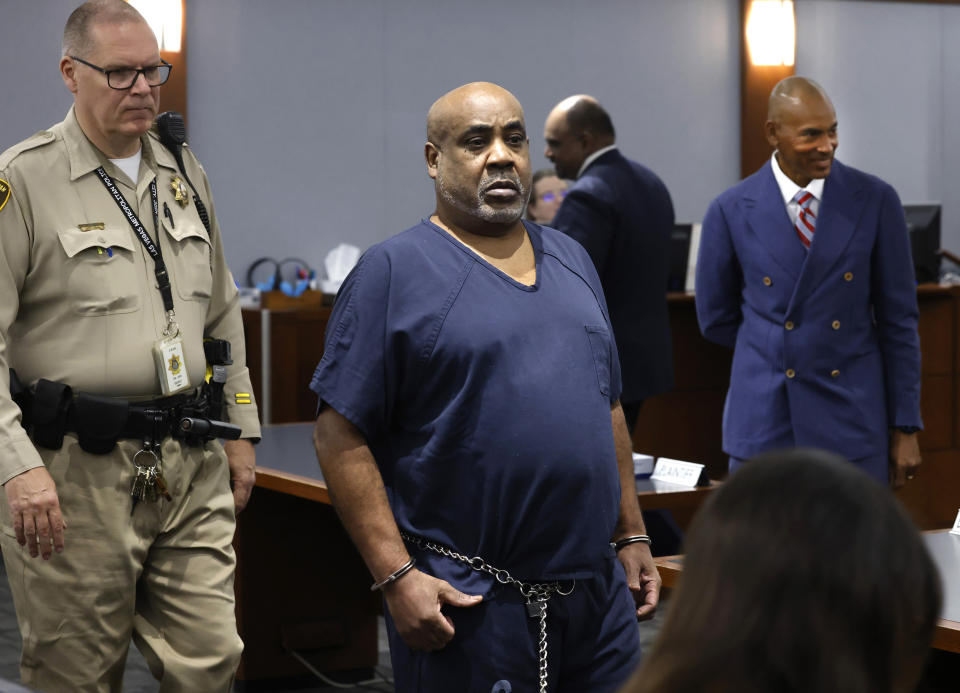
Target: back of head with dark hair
<point>801,574</point>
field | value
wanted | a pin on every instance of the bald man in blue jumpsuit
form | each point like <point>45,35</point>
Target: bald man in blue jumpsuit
<point>472,438</point>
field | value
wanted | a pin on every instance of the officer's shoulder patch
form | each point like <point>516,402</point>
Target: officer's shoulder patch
<point>40,139</point>
<point>4,193</point>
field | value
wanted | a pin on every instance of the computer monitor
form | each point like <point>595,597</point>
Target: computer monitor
<point>923,224</point>
<point>679,253</point>
<point>684,243</point>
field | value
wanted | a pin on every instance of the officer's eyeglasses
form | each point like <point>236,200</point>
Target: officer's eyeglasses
<point>551,196</point>
<point>125,77</point>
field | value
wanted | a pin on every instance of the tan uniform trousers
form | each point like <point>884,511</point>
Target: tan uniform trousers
<point>163,575</point>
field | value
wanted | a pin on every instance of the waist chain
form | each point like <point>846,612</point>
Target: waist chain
<point>537,594</point>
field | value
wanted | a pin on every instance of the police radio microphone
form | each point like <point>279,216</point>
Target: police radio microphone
<point>173,135</point>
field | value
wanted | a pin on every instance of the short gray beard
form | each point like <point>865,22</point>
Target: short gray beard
<point>478,208</point>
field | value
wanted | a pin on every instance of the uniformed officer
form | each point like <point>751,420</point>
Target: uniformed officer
<point>804,269</point>
<point>89,211</point>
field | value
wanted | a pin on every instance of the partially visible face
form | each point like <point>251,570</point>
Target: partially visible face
<point>116,114</point>
<point>806,138</point>
<point>564,149</point>
<point>548,193</point>
<point>483,166</point>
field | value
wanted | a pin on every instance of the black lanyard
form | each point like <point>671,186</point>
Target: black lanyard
<point>160,269</point>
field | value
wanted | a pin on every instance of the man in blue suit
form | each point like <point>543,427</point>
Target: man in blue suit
<point>621,213</point>
<point>805,271</point>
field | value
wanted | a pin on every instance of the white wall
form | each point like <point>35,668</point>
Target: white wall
<point>309,114</point>
<point>893,73</point>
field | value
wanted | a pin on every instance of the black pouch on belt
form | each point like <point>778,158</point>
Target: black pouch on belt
<point>99,422</point>
<point>51,404</point>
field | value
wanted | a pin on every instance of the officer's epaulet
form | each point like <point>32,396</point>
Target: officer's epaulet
<point>38,140</point>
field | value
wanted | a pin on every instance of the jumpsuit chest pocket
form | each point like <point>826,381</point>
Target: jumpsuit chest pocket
<point>599,338</point>
<point>100,273</point>
<point>189,259</point>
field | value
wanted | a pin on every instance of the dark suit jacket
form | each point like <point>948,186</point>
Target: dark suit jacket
<point>621,213</point>
<point>841,318</point>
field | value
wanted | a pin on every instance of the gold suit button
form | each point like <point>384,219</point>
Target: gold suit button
<point>789,324</point>
<point>848,276</point>
<point>834,373</point>
<point>835,324</point>
<point>767,281</point>
<point>791,373</point>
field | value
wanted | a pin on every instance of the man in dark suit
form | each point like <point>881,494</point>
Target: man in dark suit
<point>805,271</point>
<point>621,213</point>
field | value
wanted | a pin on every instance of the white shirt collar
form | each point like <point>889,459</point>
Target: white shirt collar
<point>593,157</point>
<point>788,189</point>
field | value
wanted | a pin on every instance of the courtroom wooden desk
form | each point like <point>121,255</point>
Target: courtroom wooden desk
<point>945,550</point>
<point>300,582</point>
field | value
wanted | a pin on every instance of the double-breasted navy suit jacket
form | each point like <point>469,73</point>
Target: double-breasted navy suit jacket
<point>826,351</point>
<point>621,213</point>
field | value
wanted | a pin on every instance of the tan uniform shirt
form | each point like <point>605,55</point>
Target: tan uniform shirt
<point>81,306</point>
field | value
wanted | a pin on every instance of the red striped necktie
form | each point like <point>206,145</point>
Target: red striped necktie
<point>806,219</point>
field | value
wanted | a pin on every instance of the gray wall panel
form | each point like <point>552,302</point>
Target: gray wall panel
<point>32,93</point>
<point>892,71</point>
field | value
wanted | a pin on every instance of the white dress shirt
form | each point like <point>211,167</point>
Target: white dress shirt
<point>788,189</point>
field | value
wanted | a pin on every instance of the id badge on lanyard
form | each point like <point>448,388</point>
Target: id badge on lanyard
<point>168,352</point>
<point>171,364</point>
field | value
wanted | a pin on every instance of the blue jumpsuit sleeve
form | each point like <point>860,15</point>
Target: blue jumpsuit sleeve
<point>352,374</point>
<point>719,280</point>
<point>894,297</point>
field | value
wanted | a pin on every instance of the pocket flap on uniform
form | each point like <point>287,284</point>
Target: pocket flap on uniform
<point>76,241</point>
<point>185,229</point>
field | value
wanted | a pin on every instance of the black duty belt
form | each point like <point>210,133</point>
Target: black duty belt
<point>50,410</point>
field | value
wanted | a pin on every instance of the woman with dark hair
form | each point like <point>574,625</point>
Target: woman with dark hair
<point>801,574</point>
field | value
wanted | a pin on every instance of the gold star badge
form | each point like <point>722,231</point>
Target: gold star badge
<point>174,364</point>
<point>179,191</point>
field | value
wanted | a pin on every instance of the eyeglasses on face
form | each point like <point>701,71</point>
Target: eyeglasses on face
<point>553,196</point>
<point>125,77</point>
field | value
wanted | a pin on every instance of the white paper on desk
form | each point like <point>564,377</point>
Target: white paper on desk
<point>688,474</point>
<point>338,264</point>
<point>956,525</point>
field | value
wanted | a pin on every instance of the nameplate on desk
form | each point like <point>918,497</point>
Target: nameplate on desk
<point>681,473</point>
<point>956,525</point>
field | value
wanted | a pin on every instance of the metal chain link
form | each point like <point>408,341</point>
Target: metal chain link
<point>538,593</point>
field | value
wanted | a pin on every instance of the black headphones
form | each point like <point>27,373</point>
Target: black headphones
<point>276,281</point>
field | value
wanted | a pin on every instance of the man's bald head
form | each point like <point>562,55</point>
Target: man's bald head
<point>576,128</point>
<point>791,93</point>
<point>77,38</point>
<point>802,126</point>
<point>478,154</point>
<point>458,103</point>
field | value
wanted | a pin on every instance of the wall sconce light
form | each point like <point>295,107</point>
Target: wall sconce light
<point>771,32</point>
<point>165,17</point>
